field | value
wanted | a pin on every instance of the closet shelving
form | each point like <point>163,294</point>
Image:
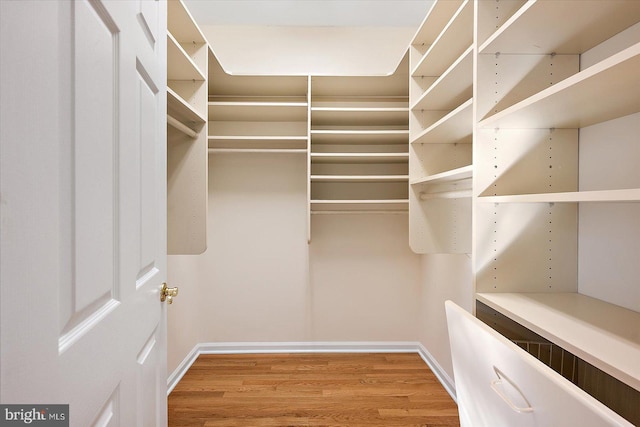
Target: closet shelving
<point>570,103</point>
<point>186,132</point>
<point>256,114</point>
<point>441,130</point>
<point>453,175</point>
<point>358,157</point>
<point>557,187</point>
<point>360,136</point>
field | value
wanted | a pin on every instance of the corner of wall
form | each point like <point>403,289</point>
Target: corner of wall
<point>443,277</point>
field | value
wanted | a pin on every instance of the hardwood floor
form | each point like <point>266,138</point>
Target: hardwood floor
<point>311,390</point>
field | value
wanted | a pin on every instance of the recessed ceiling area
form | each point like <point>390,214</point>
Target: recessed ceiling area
<point>321,13</point>
<point>309,37</point>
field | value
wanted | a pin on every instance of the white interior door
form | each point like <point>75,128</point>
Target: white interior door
<point>83,199</point>
<point>499,384</point>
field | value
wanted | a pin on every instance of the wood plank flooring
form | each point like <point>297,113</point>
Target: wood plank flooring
<point>381,389</point>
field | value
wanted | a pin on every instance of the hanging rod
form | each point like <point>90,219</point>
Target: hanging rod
<point>181,126</point>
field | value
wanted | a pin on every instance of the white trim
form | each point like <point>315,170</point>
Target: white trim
<point>182,368</point>
<point>308,347</point>
<point>437,370</point>
<point>313,347</point>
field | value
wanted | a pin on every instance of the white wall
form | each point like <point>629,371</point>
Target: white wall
<point>309,50</point>
<point>364,279</point>
<point>259,280</point>
<point>444,277</point>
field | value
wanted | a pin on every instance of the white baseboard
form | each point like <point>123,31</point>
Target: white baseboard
<point>182,368</point>
<point>437,370</point>
<point>311,347</point>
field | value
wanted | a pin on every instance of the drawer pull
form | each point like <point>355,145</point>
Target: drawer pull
<point>496,386</point>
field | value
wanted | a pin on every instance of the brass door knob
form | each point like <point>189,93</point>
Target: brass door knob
<point>167,293</point>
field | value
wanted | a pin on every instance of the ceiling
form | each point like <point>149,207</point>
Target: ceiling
<point>333,13</point>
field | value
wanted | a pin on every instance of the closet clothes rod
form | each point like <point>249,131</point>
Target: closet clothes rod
<point>181,126</point>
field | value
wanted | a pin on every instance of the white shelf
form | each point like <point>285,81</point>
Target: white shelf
<point>258,150</point>
<point>629,195</point>
<point>604,335</point>
<point>181,109</point>
<point>392,86</point>
<point>453,175</point>
<point>359,157</point>
<point>457,126</point>
<point>180,66</point>
<point>258,111</point>
<point>253,138</point>
<point>339,136</point>
<point>454,39</point>
<point>452,88</point>
<point>541,26</point>
<point>248,142</point>
<point>437,18</point>
<point>359,178</point>
<point>181,24</point>
<point>604,91</point>
<point>359,116</point>
<point>360,102</point>
<point>386,205</point>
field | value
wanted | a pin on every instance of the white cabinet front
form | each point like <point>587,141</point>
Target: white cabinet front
<point>499,384</point>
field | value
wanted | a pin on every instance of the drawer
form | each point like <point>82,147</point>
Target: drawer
<point>499,384</point>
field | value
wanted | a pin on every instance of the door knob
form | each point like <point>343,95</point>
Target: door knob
<point>167,293</point>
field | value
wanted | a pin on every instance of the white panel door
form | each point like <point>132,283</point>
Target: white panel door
<point>83,187</point>
<point>499,384</point>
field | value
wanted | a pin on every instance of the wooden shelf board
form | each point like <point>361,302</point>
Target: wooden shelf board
<point>257,104</point>
<point>258,150</point>
<point>394,85</point>
<point>180,66</point>
<point>181,109</point>
<point>452,88</point>
<point>360,136</point>
<point>359,157</point>
<point>359,116</point>
<point>542,26</point>
<point>258,111</point>
<point>456,126</point>
<point>600,333</point>
<point>454,39</point>
<point>359,178</point>
<point>359,102</point>
<point>388,205</point>
<point>258,138</point>
<point>248,142</point>
<point>602,92</point>
<point>629,195</point>
<point>458,174</point>
<point>358,110</point>
<point>437,18</point>
<point>182,25</point>
<point>223,84</point>
<point>258,99</point>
